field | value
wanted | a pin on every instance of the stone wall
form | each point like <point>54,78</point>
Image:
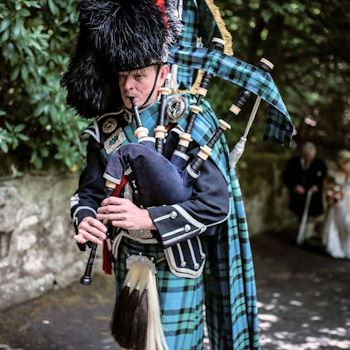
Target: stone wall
<point>265,196</point>
<point>37,251</point>
<point>36,247</point>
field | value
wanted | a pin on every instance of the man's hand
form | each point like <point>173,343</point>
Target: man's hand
<point>299,189</point>
<point>125,214</point>
<point>90,229</point>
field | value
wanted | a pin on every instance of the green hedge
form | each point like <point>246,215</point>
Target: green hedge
<point>36,40</point>
<point>37,37</point>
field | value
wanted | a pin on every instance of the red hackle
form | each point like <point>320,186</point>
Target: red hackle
<point>106,258</point>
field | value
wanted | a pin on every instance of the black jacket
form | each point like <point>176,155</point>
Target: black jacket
<point>178,226</point>
<point>313,175</point>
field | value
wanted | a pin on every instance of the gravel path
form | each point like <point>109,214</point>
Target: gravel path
<point>304,303</point>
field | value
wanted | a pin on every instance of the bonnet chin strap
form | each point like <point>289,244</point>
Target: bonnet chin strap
<point>154,86</point>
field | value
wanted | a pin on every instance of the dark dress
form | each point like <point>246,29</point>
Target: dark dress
<point>296,173</point>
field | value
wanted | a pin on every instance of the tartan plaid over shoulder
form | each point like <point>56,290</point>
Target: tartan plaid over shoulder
<point>188,38</point>
<point>231,302</point>
<point>198,22</point>
<point>279,126</point>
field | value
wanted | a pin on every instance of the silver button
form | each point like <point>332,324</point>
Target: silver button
<point>173,215</point>
<point>187,228</point>
<point>183,264</point>
<point>196,266</point>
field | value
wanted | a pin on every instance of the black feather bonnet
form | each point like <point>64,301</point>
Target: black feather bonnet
<point>116,35</point>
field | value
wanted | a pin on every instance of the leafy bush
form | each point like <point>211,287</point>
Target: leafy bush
<point>308,45</point>
<point>36,126</point>
<point>308,41</point>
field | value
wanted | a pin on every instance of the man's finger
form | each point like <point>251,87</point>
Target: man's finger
<point>80,238</point>
<point>102,217</point>
<point>116,216</point>
<point>122,224</point>
<point>113,200</point>
<point>92,238</point>
<point>96,232</point>
<point>112,209</point>
<point>89,229</point>
<point>95,223</point>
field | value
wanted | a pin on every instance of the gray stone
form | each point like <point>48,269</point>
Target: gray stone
<point>36,237</point>
<point>20,290</point>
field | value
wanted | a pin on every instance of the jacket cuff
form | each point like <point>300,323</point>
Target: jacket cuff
<point>79,214</point>
<point>174,224</point>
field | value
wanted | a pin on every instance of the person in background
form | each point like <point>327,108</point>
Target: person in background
<point>303,173</point>
<point>336,234</point>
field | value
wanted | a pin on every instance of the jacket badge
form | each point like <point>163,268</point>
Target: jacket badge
<point>109,125</point>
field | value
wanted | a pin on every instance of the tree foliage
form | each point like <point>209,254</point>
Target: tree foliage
<point>36,38</point>
<point>308,41</point>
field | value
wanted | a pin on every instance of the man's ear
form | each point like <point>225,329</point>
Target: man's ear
<point>164,70</point>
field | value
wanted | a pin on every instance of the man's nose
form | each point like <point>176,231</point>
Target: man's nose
<point>128,84</point>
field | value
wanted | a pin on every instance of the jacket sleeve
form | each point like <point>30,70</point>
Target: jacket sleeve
<point>90,193</point>
<point>209,206</point>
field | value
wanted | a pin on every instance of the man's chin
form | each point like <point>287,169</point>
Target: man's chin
<point>127,102</point>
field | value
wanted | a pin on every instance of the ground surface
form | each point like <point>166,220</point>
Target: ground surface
<point>304,303</point>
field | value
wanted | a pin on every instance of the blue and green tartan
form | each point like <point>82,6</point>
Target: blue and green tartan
<point>188,37</point>
<point>231,307</point>
<point>230,295</point>
<point>181,299</point>
<point>279,126</point>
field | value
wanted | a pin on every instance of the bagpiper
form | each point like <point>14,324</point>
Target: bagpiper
<point>157,184</point>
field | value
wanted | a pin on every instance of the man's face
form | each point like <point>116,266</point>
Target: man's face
<point>138,84</point>
<point>309,155</point>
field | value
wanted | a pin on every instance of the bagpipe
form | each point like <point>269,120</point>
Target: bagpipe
<point>173,184</point>
<point>161,181</point>
<point>167,181</point>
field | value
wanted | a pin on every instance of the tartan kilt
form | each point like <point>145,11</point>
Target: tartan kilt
<point>181,299</point>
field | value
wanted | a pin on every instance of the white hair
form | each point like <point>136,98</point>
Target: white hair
<point>308,146</point>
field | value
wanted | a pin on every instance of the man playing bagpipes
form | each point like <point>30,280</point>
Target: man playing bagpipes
<point>171,204</point>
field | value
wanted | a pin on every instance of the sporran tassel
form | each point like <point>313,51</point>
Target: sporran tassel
<point>136,322</point>
<point>117,322</point>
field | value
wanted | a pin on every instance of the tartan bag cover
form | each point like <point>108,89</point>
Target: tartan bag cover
<point>279,126</point>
